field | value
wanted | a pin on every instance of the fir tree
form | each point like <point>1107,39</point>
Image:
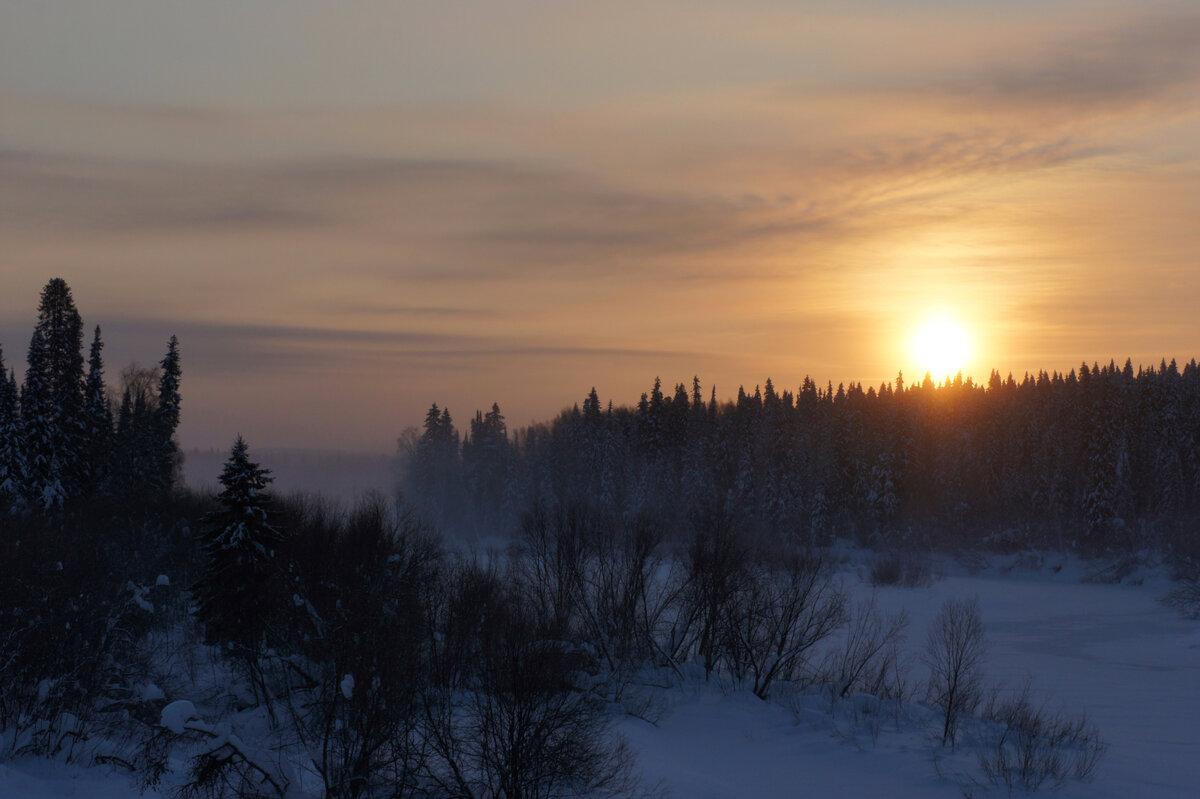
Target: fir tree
<point>41,464</point>
<point>61,329</point>
<point>485,461</point>
<point>239,546</point>
<point>11,483</point>
<point>118,467</point>
<point>164,456</point>
<point>134,461</point>
<point>98,423</point>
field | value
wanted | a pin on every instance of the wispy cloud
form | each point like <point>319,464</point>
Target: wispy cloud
<point>1140,60</point>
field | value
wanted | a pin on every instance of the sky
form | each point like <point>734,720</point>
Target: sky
<point>349,211</point>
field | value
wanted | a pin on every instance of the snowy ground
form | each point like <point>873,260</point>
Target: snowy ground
<point>1112,651</point>
<point>40,779</point>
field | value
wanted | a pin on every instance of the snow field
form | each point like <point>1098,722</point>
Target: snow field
<point>1111,651</point>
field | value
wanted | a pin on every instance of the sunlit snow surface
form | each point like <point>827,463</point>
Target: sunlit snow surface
<point>1112,651</point>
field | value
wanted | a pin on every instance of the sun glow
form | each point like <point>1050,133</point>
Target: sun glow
<point>941,347</point>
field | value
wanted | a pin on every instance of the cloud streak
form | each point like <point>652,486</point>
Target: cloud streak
<point>1138,62</point>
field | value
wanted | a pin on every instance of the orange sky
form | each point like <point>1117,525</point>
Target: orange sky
<point>349,211</point>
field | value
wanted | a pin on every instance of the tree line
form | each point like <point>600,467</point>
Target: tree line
<point>1103,457</point>
<point>61,444</point>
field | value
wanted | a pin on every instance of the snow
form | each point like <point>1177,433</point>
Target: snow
<point>46,779</point>
<point>1114,652</point>
<point>717,746</point>
<point>177,714</point>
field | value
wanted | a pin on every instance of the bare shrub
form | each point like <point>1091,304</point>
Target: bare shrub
<point>907,570</point>
<point>1032,747</point>
<point>779,616</point>
<point>954,652</point>
<point>869,659</point>
<point>716,570</point>
<point>550,560</point>
<point>510,713</point>
<point>596,578</point>
<point>1185,596</point>
<point>622,600</point>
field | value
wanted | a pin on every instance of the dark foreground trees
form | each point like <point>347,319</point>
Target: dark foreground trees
<point>239,544</point>
<point>390,667</point>
<point>80,604</point>
<point>358,633</point>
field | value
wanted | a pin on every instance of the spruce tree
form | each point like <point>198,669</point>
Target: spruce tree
<point>10,440</point>
<point>134,462</point>
<point>118,466</point>
<point>239,545</point>
<point>485,461</point>
<point>41,463</point>
<point>165,454</point>
<point>61,329</point>
<point>98,423</point>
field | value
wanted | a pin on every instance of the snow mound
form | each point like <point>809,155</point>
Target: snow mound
<point>176,715</point>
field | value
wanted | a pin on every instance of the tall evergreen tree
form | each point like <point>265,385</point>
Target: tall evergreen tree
<point>61,329</point>
<point>41,463</point>
<point>98,423</point>
<point>11,483</point>
<point>164,456</point>
<point>239,545</point>
<point>485,462</point>
<point>119,464</point>
<point>133,468</point>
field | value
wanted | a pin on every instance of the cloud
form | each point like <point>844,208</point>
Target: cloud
<point>66,194</point>
<point>1129,63</point>
<point>443,219</point>
<point>377,309</point>
<point>240,348</point>
<point>461,218</point>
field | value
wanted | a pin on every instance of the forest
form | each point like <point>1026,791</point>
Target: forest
<point>1103,458</point>
<point>253,644</point>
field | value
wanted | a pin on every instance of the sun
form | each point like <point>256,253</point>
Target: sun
<point>941,346</point>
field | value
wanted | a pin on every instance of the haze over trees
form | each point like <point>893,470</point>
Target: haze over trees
<point>1103,457</point>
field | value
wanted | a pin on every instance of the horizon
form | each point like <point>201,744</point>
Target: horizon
<point>387,442</point>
